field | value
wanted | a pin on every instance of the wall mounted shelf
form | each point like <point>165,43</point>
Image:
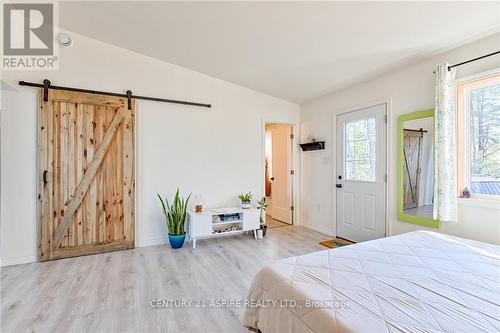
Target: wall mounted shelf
<point>318,145</point>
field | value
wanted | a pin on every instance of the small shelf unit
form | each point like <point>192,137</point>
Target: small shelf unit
<point>318,145</point>
<point>222,222</point>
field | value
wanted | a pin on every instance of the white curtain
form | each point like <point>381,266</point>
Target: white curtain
<point>445,187</point>
<point>426,183</point>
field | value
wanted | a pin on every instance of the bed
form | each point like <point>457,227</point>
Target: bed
<point>415,282</point>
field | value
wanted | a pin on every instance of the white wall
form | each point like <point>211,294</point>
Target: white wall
<point>427,124</point>
<point>409,89</point>
<point>217,153</point>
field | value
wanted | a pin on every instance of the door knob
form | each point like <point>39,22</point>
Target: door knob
<point>338,185</point>
<point>272,178</point>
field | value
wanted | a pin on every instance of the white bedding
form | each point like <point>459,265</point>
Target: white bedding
<point>415,282</point>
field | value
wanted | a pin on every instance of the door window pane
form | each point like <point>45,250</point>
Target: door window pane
<point>349,170</point>
<point>349,131</point>
<point>349,153</point>
<point>359,150</point>
<point>360,130</point>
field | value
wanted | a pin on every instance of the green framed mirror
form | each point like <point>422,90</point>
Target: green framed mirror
<point>416,168</point>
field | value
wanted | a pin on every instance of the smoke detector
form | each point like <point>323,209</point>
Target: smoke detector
<point>64,40</point>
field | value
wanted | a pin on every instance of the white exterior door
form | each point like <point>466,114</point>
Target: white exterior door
<point>361,174</point>
<point>281,189</point>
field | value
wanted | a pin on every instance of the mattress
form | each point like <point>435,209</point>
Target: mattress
<point>415,282</point>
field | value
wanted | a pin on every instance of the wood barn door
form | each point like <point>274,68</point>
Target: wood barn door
<point>412,150</point>
<point>86,172</point>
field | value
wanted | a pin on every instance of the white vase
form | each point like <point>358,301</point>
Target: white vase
<point>259,234</point>
<point>246,205</point>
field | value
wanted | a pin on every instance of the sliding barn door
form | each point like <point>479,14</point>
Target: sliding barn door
<point>411,154</point>
<point>86,174</point>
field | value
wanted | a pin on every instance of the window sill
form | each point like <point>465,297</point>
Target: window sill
<point>479,202</point>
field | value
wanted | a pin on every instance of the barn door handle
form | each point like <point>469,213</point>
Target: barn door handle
<point>45,181</point>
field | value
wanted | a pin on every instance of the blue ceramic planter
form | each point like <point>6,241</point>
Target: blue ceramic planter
<point>176,241</point>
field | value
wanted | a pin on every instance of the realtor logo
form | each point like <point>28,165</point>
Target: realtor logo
<point>28,36</point>
<point>28,29</point>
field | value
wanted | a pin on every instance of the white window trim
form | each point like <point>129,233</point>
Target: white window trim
<point>477,76</point>
<point>479,202</point>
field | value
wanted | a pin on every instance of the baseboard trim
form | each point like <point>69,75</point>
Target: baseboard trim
<point>151,242</point>
<point>4,262</point>
<point>318,229</point>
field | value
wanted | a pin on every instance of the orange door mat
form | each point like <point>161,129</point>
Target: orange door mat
<point>336,242</point>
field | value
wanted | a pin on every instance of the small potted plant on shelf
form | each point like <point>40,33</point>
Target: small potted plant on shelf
<point>246,200</point>
<point>262,205</point>
<point>175,216</point>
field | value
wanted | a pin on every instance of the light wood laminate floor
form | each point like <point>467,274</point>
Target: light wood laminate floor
<point>272,223</point>
<point>113,292</point>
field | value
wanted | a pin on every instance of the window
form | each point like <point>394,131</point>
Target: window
<point>359,150</point>
<point>478,136</point>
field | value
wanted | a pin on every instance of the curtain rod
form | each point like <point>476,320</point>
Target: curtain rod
<point>471,60</point>
<point>128,95</point>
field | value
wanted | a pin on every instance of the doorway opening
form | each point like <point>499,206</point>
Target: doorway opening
<point>279,174</point>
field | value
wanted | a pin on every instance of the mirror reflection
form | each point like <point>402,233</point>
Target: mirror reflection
<point>418,164</point>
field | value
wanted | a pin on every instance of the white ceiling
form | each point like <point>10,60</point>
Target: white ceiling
<point>294,50</point>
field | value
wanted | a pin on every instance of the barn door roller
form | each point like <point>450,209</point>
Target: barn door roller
<point>46,85</point>
<point>129,99</point>
<point>128,95</point>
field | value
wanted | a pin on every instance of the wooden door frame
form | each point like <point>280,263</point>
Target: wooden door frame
<point>294,197</point>
<point>388,109</point>
<point>43,138</point>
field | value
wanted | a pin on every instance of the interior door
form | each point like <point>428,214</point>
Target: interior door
<point>281,192</point>
<point>86,174</point>
<point>361,174</point>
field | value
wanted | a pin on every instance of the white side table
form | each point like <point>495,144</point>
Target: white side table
<point>222,222</point>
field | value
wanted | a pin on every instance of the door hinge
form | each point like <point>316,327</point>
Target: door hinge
<point>385,119</point>
<point>292,136</point>
<point>292,208</point>
<point>385,178</point>
<point>292,172</point>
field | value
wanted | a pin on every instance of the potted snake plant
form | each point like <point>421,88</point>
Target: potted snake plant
<point>175,216</point>
<point>262,206</point>
<point>246,200</point>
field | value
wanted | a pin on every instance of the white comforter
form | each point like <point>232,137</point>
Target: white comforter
<point>415,282</point>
